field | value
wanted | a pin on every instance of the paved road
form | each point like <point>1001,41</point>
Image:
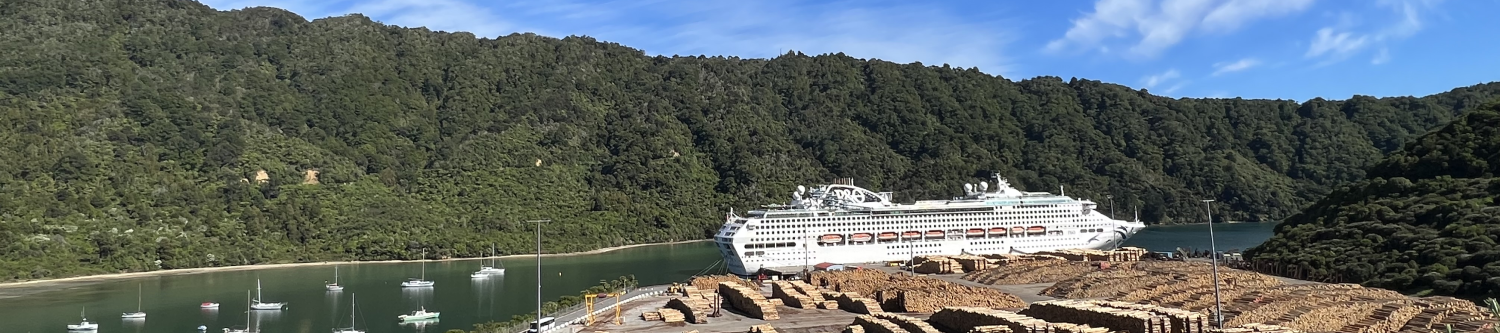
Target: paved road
<point>566,319</point>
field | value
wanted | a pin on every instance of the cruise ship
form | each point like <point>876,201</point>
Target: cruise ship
<point>845,224</point>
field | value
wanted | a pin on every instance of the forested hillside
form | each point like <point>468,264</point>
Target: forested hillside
<point>1426,221</point>
<point>136,130</point>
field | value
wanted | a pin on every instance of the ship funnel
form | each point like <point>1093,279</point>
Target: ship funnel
<point>968,188</point>
<point>984,186</point>
<point>801,189</point>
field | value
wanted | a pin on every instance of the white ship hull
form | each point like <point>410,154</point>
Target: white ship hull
<point>867,228</point>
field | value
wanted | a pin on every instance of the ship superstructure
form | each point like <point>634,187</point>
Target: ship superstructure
<point>843,223</point>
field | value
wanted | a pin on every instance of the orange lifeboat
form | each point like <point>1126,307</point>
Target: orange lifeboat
<point>860,238</point>
<point>911,234</point>
<point>997,231</point>
<point>935,234</point>
<point>831,238</point>
<point>976,232</point>
<point>887,235</point>
<point>1036,229</point>
<point>1017,230</point>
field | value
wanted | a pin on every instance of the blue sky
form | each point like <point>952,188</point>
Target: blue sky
<point>1292,49</point>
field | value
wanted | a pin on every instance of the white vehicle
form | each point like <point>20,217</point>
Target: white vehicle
<point>546,323</point>
<point>843,223</point>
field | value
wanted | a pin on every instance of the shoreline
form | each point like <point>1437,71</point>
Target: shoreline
<point>187,271</point>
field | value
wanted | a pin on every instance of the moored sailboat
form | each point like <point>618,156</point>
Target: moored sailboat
<point>335,285</point>
<point>138,314</point>
<point>349,329</point>
<point>258,305</point>
<point>422,282</point>
<point>85,325</point>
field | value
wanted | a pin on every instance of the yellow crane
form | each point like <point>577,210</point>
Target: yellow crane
<point>588,302</point>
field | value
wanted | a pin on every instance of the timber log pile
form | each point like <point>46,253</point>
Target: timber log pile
<point>983,320</point>
<point>1182,321</point>
<point>852,302</point>
<point>693,310</point>
<point>651,316</point>
<point>762,328</point>
<point>1029,272</point>
<point>1096,315</point>
<point>1121,254</point>
<point>1156,282</point>
<point>790,296</point>
<point>748,300</point>
<point>908,324</point>
<point>711,282</point>
<point>672,316</point>
<point>853,328</point>
<point>936,265</point>
<point>900,293</point>
<point>872,324</point>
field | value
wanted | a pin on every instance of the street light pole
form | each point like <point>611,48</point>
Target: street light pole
<point>539,272</point>
<point>1213,253</point>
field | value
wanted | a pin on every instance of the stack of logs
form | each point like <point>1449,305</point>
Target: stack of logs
<point>748,300</point>
<point>695,310</point>
<point>983,320</point>
<point>711,282</point>
<point>762,328</point>
<point>1097,315</point>
<point>651,316</point>
<point>936,265</point>
<point>852,302</point>
<point>1121,254</point>
<point>1248,328</point>
<point>1029,272</point>
<point>790,295</point>
<point>1182,321</point>
<point>897,293</point>
<point>671,316</point>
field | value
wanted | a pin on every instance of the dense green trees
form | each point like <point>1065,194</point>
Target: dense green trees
<point>136,129</point>
<point>1425,221</point>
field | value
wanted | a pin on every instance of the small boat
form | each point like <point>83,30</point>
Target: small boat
<point>935,234</point>
<point>138,314</point>
<point>1036,230</point>
<point>976,232</point>
<point>418,315</point>
<point>209,305</point>
<point>831,238</point>
<point>258,305</point>
<point>422,282</point>
<point>349,329</point>
<point>335,285</point>
<point>85,325</point>
<point>887,235</point>
<point>202,328</point>
<point>911,234</point>
<point>997,231</point>
<point>860,237</point>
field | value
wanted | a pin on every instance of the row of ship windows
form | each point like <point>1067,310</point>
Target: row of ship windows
<point>909,222</point>
<point>919,215</point>
<point>899,246</point>
<point>970,225</point>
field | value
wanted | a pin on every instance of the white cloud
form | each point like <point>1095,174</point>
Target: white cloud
<point>444,15</point>
<point>1341,43</point>
<point>1383,57</point>
<point>1230,67</point>
<point>1160,26</point>
<point>1338,42</point>
<point>1150,81</point>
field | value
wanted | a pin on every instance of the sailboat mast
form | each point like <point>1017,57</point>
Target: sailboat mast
<point>351,310</point>
<point>137,298</point>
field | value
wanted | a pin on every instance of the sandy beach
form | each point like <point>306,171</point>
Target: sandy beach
<point>18,288</point>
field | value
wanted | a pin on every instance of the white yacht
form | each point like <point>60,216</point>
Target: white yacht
<point>335,285</point>
<point>843,223</point>
<point>422,282</point>
<point>258,305</point>
<point>138,314</point>
<point>421,314</point>
<point>487,270</point>
<point>85,325</point>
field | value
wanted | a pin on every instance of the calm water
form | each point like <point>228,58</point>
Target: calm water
<point>171,302</point>
<point>1228,236</point>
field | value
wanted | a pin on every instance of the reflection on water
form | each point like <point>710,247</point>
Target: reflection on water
<point>417,298</point>
<point>422,325</point>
